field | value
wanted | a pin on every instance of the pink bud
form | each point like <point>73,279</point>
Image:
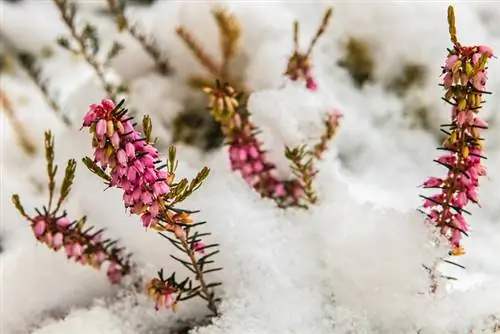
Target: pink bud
<point>130,149</point>
<point>253,152</point>
<point>115,140</point>
<point>57,241</point>
<point>198,247</point>
<point>101,127</point>
<point>146,219</point>
<point>89,117</point>
<point>485,49</point>
<point>146,197</point>
<point>450,61</point>
<point>108,105</point>
<point>311,84</point>
<point>432,182</point>
<point>480,122</point>
<point>179,232</point>
<point>122,157</point>
<point>39,227</point>
<point>154,209</point>
<point>63,222</point>
<point>279,190</point>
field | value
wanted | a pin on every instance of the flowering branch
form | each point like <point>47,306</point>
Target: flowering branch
<point>53,228</point>
<point>230,36</point>
<point>465,75</point>
<point>87,45</point>
<point>117,7</point>
<point>127,160</point>
<point>248,157</point>
<point>299,64</point>
<point>24,140</point>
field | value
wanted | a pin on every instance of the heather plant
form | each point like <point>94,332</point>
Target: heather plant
<point>230,39</point>
<point>247,156</point>
<point>464,81</point>
<point>84,42</point>
<point>299,66</point>
<point>82,244</point>
<point>127,160</point>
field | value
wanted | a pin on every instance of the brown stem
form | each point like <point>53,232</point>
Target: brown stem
<point>26,143</point>
<point>199,276</point>
<point>162,66</point>
<point>61,5</point>
<point>205,59</point>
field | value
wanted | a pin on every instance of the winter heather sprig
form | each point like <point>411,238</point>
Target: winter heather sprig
<point>248,157</point>
<point>127,160</point>
<point>117,7</point>
<point>80,243</point>
<point>85,43</point>
<point>464,81</point>
<point>230,37</point>
<point>299,65</point>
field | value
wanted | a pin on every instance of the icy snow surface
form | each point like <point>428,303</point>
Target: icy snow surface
<point>352,264</point>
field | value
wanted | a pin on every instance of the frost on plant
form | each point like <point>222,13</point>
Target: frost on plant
<point>127,159</point>
<point>247,155</point>
<point>299,65</point>
<point>52,227</point>
<point>464,82</point>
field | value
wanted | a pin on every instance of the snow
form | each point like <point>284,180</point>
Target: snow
<point>351,264</point>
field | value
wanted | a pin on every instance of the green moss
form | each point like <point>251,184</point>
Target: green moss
<point>411,76</point>
<point>198,128</point>
<point>358,61</point>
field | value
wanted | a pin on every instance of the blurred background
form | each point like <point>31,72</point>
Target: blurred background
<point>378,62</point>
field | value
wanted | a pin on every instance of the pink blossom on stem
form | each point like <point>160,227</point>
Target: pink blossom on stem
<point>130,160</point>
<point>465,75</point>
<point>80,245</point>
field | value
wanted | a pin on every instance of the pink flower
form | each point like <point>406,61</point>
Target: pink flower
<point>463,71</point>
<point>39,227</point>
<point>311,84</point>
<point>199,247</point>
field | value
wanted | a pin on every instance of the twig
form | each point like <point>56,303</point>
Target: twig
<point>26,143</point>
<point>117,8</point>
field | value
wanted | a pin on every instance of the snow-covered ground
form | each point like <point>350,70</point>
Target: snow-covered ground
<point>351,264</point>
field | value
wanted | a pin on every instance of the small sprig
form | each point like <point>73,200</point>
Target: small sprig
<point>24,139</point>
<point>302,165</point>
<point>117,7</point>
<point>81,243</point>
<point>331,123</point>
<point>465,75</point>
<point>248,157</point>
<point>85,42</point>
<point>230,36</point>
<point>299,64</point>
<point>130,162</point>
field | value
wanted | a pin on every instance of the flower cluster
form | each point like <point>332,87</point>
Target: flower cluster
<point>80,245</point>
<point>247,156</point>
<point>131,159</point>
<point>299,65</point>
<point>127,160</point>
<point>464,80</point>
<point>79,242</point>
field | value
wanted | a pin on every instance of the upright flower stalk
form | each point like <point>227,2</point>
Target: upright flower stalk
<point>81,243</point>
<point>464,82</point>
<point>127,159</point>
<point>247,156</point>
<point>299,65</point>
